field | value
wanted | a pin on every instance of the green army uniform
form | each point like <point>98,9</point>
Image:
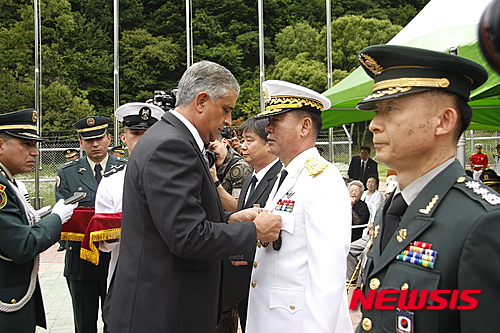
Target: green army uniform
<point>21,243</point>
<point>442,242</point>
<point>462,224</point>
<point>232,172</point>
<point>86,281</point>
<point>22,238</point>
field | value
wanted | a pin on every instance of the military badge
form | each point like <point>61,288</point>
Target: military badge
<point>285,205</point>
<point>145,113</point>
<point>3,196</point>
<point>371,64</point>
<point>404,321</point>
<point>90,121</point>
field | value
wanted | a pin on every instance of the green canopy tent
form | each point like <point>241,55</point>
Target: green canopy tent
<point>443,25</point>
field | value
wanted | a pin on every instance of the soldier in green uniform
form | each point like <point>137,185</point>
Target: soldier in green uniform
<point>230,172</point>
<point>23,235</point>
<point>436,237</point>
<point>86,281</point>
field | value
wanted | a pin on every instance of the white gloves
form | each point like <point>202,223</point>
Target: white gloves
<point>64,211</point>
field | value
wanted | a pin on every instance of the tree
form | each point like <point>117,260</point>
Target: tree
<point>350,34</point>
<point>295,39</point>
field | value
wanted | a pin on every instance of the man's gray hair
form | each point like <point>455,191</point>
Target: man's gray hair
<point>357,182</point>
<point>205,76</point>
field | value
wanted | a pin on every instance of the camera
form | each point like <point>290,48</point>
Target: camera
<point>227,133</point>
<point>489,34</point>
<point>164,100</point>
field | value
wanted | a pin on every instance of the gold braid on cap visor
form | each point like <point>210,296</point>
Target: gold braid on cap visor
<point>404,84</point>
<point>18,127</point>
<point>92,128</point>
<point>277,104</point>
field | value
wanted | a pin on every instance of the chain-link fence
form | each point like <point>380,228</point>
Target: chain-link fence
<point>339,151</point>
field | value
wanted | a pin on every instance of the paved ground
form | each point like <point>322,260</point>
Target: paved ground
<point>57,300</point>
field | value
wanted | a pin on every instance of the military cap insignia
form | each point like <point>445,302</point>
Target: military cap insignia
<point>265,93</point>
<point>90,121</point>
<point>34,116</point>
<point>371,64</point>
<point>145,113</point>
<point>3,196</point>
<point>315,166</point>
<point>430,205</point>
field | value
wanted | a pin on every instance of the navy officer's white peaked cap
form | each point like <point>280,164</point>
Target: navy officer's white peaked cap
<point>281,96</point>
<point>138,115</point>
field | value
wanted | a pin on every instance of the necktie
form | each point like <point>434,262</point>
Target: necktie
<point>97,170</point>
<point>362,170</point>
<point>392,218</point>
<point>277,243</point>
<point>253,182</point>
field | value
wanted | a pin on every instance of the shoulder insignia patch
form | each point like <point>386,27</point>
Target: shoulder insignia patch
<point>3,196</point>
<point>236,172</point>
<point>315,166</point>
<point>487,195</point>
<point>114,169</point>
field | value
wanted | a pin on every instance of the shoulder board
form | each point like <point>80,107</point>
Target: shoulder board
<point>315,166</point>
<point>121,159</point>
<point>70,163</point>
<point>478,191</point>
<point>114,170</point>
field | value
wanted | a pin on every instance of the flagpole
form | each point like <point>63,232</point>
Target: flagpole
<point>261,51</point>
<point>116,73</point>
<point>38,107</point>
<point>189,36</point>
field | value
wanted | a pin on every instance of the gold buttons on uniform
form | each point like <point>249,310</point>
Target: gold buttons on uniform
<point>255,264</point>
<point>366,324</point>
<point>405,286</point>
<point>254,284</point>
<point>292,307</point>
<point>71,248</point>
<point>13,301</point>
<point>259,244</point>
<point>374,284</point>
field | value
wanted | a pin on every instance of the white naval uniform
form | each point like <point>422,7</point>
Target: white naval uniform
<point>109,197</point>
<point>301,287</point>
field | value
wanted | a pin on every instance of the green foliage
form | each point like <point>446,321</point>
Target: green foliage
<point>350,34</point>
<point>77,48</point>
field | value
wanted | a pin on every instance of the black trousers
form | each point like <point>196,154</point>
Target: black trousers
<point>85,298</point>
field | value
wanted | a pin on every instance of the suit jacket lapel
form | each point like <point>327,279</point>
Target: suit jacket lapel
<point>244,189</point>
<point>177,123</point>
<point>418,216</point>
<point>265,183</point>
<point>87,173</point>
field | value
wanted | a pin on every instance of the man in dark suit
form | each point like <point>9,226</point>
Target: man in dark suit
<point>174,231</point>
<point>86,281</point>
<point>362,166</point>
<point>438,232</point>
<point>254,191</point>
<point>23,235</point>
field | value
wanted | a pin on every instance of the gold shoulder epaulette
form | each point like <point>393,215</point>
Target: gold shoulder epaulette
<point>315,166</point>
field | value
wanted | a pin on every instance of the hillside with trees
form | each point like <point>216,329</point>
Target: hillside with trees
<point>77,48</point>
